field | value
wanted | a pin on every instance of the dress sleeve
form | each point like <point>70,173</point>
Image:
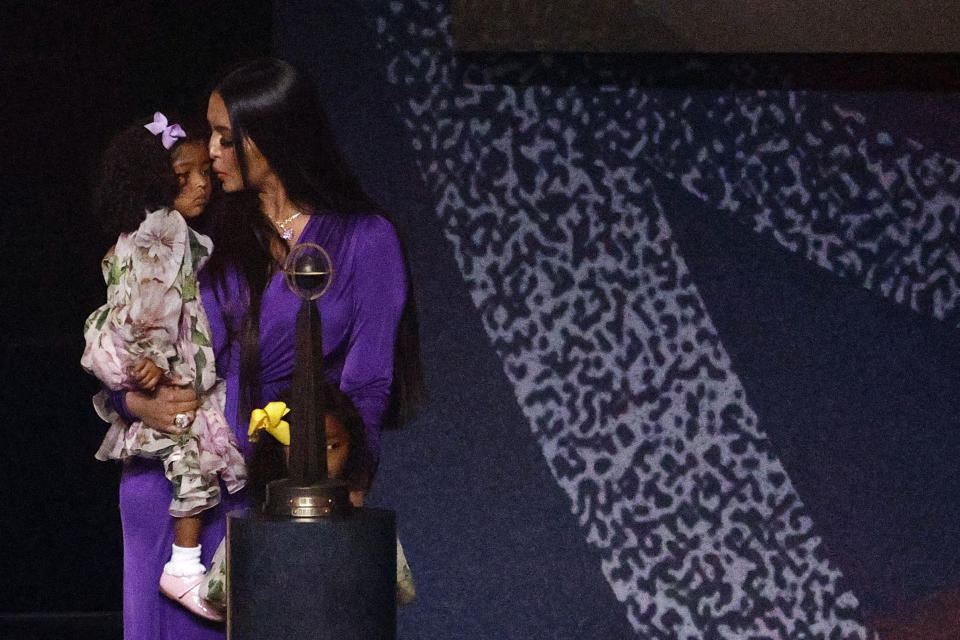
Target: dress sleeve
<point>104,354</point>
<point>141,316</point>
<point>379,290</point>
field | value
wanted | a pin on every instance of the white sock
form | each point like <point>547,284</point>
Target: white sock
<point>184,561</point>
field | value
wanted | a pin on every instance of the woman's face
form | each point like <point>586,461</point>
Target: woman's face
<point>221,148</point>
<point>192,166</point>
<point>223,152</point>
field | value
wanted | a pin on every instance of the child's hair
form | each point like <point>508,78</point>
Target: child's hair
<point>136,176</point>
<point>268,460</point>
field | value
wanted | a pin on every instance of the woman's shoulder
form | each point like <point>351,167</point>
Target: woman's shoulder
<point>358,230</point>
<point>359,220</point>
<point>375,238</point>
<point>374,226</point>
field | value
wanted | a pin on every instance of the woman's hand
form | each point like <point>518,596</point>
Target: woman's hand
<point>159,410</point>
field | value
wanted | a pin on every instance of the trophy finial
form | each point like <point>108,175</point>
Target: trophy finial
<point>307,492</point>
<point>308,271</point>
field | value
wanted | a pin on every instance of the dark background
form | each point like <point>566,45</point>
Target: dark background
<point>74,75</point>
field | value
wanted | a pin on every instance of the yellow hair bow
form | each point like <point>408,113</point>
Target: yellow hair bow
<point>270,419</point>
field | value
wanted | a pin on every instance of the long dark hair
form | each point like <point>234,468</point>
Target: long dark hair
<point>277,108</point>
<point>242,239</point>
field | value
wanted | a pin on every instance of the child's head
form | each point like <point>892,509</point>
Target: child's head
<point>347,457</point>
<point>338,447</point>
<point>138,174</point>
<point>191,165</point>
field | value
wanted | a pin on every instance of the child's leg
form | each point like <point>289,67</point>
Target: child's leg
<point>186,531</point>
<point>180,458</point>
<point>185,557</point>
<point>193,492</point>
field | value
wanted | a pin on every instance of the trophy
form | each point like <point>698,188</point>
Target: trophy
<point>310,565</point>
<point>307,491</point>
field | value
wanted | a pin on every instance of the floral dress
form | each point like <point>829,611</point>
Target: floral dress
<point>153,311</point>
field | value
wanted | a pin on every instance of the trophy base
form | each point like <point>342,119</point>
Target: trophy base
<point>319,500</point>
<point>317,578</point>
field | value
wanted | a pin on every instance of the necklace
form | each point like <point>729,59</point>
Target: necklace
<point>286,231</point>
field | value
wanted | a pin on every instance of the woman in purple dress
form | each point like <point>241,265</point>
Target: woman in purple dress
<point>270,138</point>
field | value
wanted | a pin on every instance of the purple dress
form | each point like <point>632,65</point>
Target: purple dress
<point>360,311</point>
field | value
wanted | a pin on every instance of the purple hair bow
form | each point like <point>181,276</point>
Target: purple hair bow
<point>170,132</point>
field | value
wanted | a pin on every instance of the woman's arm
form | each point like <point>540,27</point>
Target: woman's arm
<point>379,293</point>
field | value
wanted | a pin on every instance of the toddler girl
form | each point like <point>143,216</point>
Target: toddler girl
<point>153,328</point>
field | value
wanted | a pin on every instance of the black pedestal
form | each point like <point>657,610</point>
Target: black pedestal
<point>331,577</point>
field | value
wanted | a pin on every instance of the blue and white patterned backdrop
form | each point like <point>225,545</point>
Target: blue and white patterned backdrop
<point>553,184</point>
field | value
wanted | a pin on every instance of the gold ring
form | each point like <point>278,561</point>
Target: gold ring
<point>181,420</point>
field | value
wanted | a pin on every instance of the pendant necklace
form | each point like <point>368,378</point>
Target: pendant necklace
<point>286,231</point>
